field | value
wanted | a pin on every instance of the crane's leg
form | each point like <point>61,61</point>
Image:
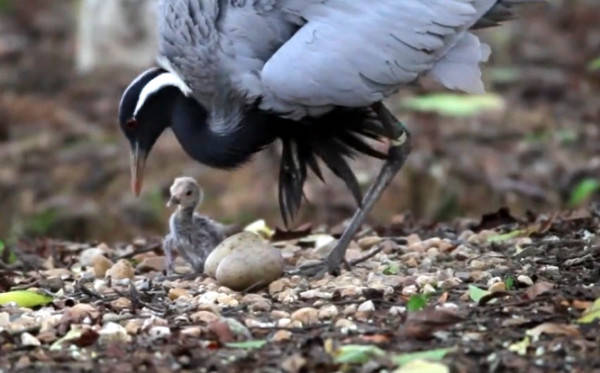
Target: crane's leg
<point>397,155</point>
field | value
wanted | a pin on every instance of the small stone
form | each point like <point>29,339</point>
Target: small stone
<point>30,341</point>
<point>482,237</point>
<point>477,264</point>
<point>281,336</point>
<point>175,293</point>
<point>86,258</point>
<point>284,322</point>
<point>133,327</point>
<point>479,276</point>
<point>312,294</point>
<point>278,286</point>
<point>192,331</point>
<point>121,303</point>
<point>345,325</point>
<point>257,303</point>
<point>4,320</point>
<point>121,270</point>
<point>366,243</point>
<point>101,265</point>
<point>351,292</point>
<point>497,287</point>
<point>159,332</point>
<point>113,333</point>
<point>204,317</point>
<point>350,309</point>
<point>278,314</point>
<point>328,312</point>
<point>367,306</point>
<point>428,289</point>
<point>525,280</point>
<point>397,310</point>
<point>153,263</point>
<point>425,280</point>
<point>412,239</point>
<point>493,280</point>
<point>410,290</point>
<point>306,315</point>
<point>294,364</point>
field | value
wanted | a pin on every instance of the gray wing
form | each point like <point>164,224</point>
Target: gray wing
<point>355,53</point>
<point>219,44</point>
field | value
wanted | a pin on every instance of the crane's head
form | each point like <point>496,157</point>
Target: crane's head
<point>144,113</point>
<point>185,192</point>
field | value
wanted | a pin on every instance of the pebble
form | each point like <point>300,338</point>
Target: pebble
<point>350,309</point>
<point>113,333</point>
<point>205,317</point>
<point>4,320</point>
<point>477,264</point>
<point>281,336</point>
<point>86,258</point>
<point>153,263</point>
<point>133,327</point>
<point>397,310</point>
<point>159,332</point>
<point>497,287</point>
<point>410,290</point>
<point>366,243</point>
<point>257,303</point>
<point>175,293</point>
<point>101,264</point>
<point>306,315</point>
<point>493,280</point>
<point>278,314</point>
<point>121,303</point>
<point>525,280</point>
<point>312,294</point>
<point>345,325</point>
<point>428,289</point>
<point>121,270</point>
<point>251,262</point>
<point>278,286</point>
<point>423,280</point>
<point>29,340</point>
<point>192,331</point>
<point>328,312</point>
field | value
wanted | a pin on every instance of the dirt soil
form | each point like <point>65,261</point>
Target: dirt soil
<point>535,280</point>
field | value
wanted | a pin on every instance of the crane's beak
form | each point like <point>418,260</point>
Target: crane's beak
<point>173,201</point>
<point>137,163</point>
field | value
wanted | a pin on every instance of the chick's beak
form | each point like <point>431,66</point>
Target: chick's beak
<point>138,161</point>
<point>173,201</point>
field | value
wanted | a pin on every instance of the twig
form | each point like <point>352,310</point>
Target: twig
<point>368,256</point>
<point>140,251</point>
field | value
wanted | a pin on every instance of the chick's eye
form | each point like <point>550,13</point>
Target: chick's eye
<point>131,123</point>
<point>188,193</point>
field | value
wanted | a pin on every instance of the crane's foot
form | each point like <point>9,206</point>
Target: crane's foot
<point>398,153</point>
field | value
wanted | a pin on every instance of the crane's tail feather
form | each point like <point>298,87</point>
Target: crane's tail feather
<point>334,139</point>
<point>501,12</point>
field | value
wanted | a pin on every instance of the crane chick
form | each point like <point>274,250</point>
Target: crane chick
<point>193,235</point>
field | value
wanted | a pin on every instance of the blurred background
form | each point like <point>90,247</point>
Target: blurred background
<point>532,143</point>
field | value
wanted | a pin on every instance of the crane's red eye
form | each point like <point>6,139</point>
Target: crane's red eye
<point>131,123</point>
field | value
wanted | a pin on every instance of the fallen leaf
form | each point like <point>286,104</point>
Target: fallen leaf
<point>476,294</point>
<point>553,329</point>
<point>583,191</point>
<point>520,347</point>
<point>422,366</point>
<point>247,345</point>
<point>24,298</point>
<point>432,355</point>
<point>357,354</point>
<point>539,288</point>
<point>260,228</point>
<point>591,314</point>
<point>422,324</point>
<point>454,105</point>
<point>416,303</point>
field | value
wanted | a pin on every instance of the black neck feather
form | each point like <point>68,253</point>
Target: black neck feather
<point>219,150</point>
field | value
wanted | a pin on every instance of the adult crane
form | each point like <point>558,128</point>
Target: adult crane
<point>235,75</point>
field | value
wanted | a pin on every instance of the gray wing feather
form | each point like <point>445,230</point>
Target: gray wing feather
<point>359,52</point>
